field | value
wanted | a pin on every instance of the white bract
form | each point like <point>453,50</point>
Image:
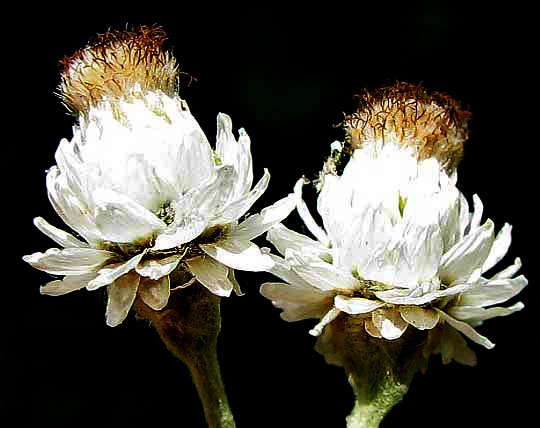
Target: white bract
<point>399,248</point>
<point>147,195</point>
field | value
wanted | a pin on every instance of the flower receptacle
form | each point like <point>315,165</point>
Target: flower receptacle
<point>379,370</point>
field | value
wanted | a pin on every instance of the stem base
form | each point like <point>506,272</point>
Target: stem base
<point>379,370</point>
<point>189,326</point>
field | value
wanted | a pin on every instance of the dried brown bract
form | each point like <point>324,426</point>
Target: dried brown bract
<point>431,122</point>
<point>117,64</point>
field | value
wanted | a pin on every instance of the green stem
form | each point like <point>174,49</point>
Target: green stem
<point>379,370</point>
<point>372,405</point>
<point>207,378</point>
<point>189,326</point>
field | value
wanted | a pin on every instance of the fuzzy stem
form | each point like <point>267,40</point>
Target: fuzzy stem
<point>189,326</point>
<point>374,398</point>
<point>379,370</point>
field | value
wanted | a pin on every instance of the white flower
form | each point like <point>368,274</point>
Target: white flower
<point>147,195</point>
<point>399,248</point>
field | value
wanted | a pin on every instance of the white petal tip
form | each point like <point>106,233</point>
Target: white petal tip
<point>223,117</point>
<point>114,322</point>
<point>315,332</point>
<point>222,291</point>
<point>45,291</point>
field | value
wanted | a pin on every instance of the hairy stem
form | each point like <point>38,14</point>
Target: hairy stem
<point>189,326</point>
<point>375,397</point>
<point>379,370</point>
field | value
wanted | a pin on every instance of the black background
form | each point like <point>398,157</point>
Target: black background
<point>285,75</point>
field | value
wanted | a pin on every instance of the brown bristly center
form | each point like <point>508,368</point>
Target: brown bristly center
<point>433,124</point>
<point>114,65</point>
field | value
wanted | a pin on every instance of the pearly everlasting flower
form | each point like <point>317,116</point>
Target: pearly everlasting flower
<point>400,247</point>
<point>141,186</point>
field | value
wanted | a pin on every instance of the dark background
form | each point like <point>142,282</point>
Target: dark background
<point>285,75</point>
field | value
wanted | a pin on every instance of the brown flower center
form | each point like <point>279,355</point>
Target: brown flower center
<point>432,123</point>
<point>114,65</point>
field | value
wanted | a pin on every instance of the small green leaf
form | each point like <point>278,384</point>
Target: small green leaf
<point>402,203</point>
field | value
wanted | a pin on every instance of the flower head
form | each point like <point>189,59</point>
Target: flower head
<point>400,247</point>
<point>150,200</point>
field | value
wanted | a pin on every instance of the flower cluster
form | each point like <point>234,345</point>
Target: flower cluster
<point>139,183</point>
<point>400,247</point>
<point>155,207</point>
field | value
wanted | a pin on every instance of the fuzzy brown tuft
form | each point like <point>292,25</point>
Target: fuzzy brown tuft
<point>433,123</point>
<point>114,64</point>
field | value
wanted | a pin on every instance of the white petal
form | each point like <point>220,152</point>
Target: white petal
<point>211,274</point>
<point>330,316</point>
<point>71,209</point>
<point>155,294</point>
<point>242,255</point>
<point>389,323</point>
<point>283,238</point>
<point>331,207</point>
<point>257,224</point>
<point>362,245</point>
<point>320,274</point>
<point>122,293</point>
<point>141,181</point>
<point>417,255</point>
<point>510,271</point>
<point>217,195</point>
<point>467,255</point>
<point>466,329</point>
<point>499,248</point>
<point>110,273</point>
<point>247,177</point>
<point>476,315</point>
<point>454,347</point>
<point>424,251</point>
<point>279,291</point>
<point>69,261</point>
<point>185,284</point>
<point>180,233</point>
<point>194,159</point>
<point>464,216</point>
<point>236,286</point>
<point>69,162</point>
<point>120,219</point>
<point>196,200</point>
<point>225,138</point>
<point>304,213</point>
<point>157,268</point>
<point>422,319</point>
<point>449,220</point>
<point>297,312</point>
<point>297,303</point>
<point>405,297</point>
<point>238,208</point>
<point>477,214</point>
<point>283,271</point>
<point>236,154</point>
<point>371,329</point>
<point>62,238</point>
<point>67,285</point>
<point>356,305</point>
<point>493,292</point>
